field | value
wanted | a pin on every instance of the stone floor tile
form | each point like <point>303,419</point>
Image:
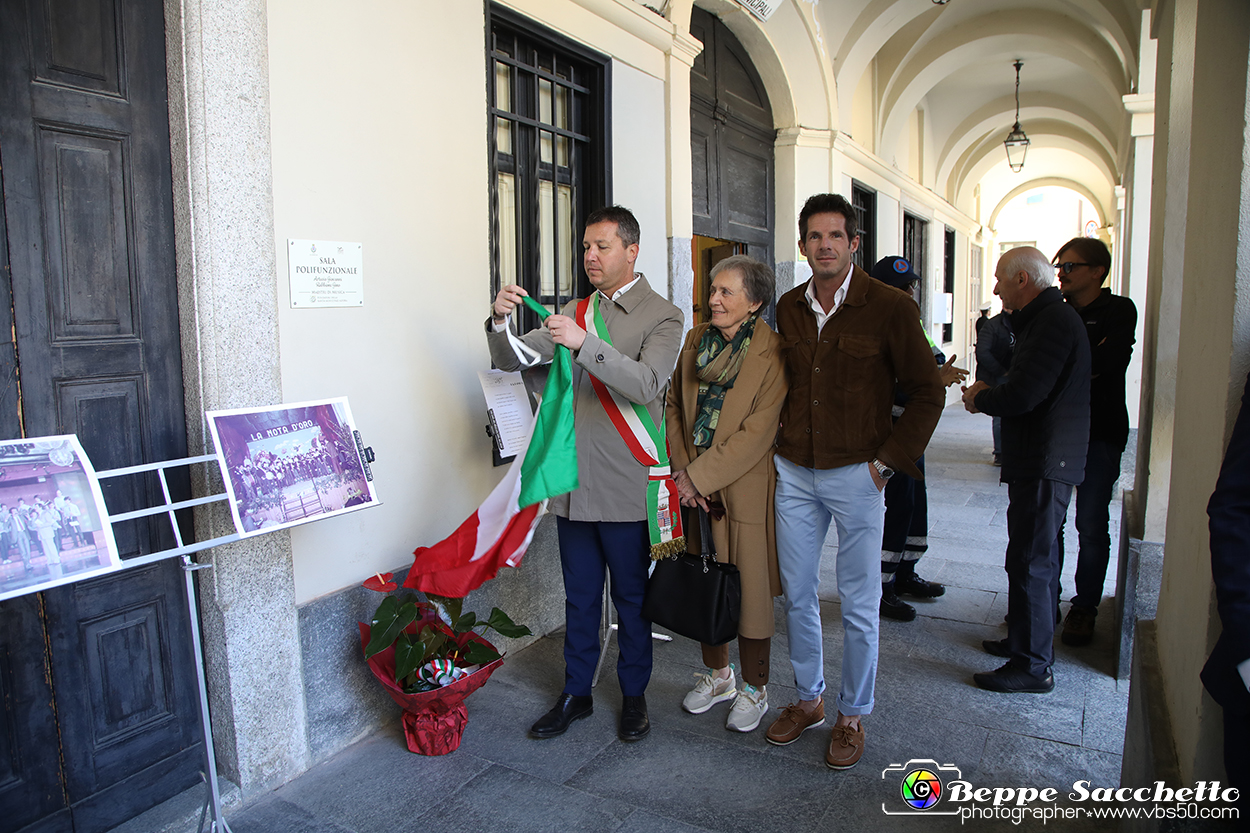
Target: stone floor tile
<point>503,799</point>
<point>273,815</point>
<point>712,784</point>
<point>1018,760</point>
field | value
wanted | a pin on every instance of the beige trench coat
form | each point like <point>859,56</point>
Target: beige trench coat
<point>737,469</point>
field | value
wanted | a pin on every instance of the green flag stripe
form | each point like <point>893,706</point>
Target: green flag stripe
<point>550,464</point>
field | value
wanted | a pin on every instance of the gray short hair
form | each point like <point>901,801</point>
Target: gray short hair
<point>1031,261</point>
<point>757,279</point>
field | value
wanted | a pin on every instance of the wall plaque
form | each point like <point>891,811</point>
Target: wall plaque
<point>325,273</point>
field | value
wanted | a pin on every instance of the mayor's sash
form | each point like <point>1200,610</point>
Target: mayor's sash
<point>645,440</point>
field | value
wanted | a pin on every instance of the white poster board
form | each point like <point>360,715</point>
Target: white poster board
<point>53,522</point>
<point>289,464</point>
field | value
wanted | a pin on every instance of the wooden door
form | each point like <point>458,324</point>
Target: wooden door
<point>88,220</point>
<point>731,142</point>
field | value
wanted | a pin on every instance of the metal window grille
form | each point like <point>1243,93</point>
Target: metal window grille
<point>948,279</point>
<point>547,144</point>
<point>914,230</point>
<point>864,201</point>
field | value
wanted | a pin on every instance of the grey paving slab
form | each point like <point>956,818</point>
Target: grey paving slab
<point>1106,711</point>
<point>369,785</point>
<point>956,572</point>
<point>502,799</point>
<point>642,821</point>
<point>1018,760</point>
<point>498,731</point>
<point>712,784</point>
<point>274,815</point>
<point>960,604</point>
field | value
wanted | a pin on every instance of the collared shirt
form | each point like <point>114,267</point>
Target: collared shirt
<point>618,293</point>
<point>838,297</point>
<point>498,327</point>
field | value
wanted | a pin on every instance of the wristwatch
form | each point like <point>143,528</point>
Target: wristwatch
<point>882,469</point>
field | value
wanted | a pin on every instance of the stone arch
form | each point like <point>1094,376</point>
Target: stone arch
<point>1042,182</point>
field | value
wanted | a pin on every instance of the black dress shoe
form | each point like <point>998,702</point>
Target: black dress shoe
<point>1012,680</point>
<point>634,722</point>
<point>567,709</point>
<point>996,647</point>
<point>892,607</point>
<point>914,585</point>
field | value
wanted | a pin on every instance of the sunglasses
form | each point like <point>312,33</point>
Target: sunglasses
<point>1068,265</point>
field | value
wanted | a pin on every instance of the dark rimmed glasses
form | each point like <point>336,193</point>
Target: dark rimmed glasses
<point>1068,265</point>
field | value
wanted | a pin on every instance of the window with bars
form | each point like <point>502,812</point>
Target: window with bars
<point>948,279</point>
<point>548,144</point>
<point>864,201</point>
<point>914,232</point>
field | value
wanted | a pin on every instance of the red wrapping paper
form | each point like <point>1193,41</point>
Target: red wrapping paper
<point>434,720</point>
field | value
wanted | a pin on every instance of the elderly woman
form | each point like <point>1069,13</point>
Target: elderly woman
<point>722,414</point>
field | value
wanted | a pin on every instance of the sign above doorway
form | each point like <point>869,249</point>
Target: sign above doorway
<point>763,9</point>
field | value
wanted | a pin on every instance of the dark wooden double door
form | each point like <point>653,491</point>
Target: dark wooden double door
<point>101,717</point>
<point>731,142</point>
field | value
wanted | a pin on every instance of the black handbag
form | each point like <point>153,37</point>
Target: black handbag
<point>695,595</point>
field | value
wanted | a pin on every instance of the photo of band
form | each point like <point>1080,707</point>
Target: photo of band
<point>52,516</point>
<point>287,464</point>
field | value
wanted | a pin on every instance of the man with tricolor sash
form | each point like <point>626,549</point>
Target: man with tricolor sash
<point>624,340</point>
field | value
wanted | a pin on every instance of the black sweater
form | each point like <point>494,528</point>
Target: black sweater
<point>1111,323</point>
<point>1045,401</point>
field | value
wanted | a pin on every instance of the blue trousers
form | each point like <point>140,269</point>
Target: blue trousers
<point>806,501</point>
<point>1035,512</point>
<point>587,550</point>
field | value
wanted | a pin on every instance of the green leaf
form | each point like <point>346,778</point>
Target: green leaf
<point>475,653</point>
<point>389,621</point>
<point>435,641</point>
<point>466,623</point>
<point>500,622</point>
<point>448,608</point>
<point>409,654</point>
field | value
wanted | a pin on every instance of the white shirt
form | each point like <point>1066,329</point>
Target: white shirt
<point>838,297</point>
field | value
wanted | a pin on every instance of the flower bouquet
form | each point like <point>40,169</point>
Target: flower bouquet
<point>429,658</point>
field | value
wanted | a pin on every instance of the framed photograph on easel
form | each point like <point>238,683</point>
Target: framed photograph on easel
<point>289,464</point>
<point>53,527</point>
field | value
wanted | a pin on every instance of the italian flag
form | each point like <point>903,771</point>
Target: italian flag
<point>500,531</point>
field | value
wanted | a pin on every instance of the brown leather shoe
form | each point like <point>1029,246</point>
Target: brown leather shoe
<point>845,747</point>
<point>794,722</point>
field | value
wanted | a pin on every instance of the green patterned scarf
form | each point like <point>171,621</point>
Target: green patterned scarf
<point>717,364</point>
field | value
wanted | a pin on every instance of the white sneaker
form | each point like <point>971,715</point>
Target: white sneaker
<point>709,691</point>
<point>748,709</point>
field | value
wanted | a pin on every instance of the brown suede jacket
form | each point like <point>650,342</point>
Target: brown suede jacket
<point>842,379</point>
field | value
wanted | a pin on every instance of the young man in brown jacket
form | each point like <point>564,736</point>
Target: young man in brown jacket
<point>851,339</point>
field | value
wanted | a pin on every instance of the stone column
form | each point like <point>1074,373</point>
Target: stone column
<point>1205,313</point>
<point>678,61</point>
<point>223,201</point>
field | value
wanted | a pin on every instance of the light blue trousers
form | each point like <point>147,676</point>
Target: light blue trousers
<point>807,499</point>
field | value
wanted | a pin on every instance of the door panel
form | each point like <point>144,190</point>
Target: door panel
<point>731,142</point>
<point>88,220</point>
<point>30,781</point>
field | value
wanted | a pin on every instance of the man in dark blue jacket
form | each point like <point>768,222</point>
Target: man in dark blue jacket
<point>1227,672</point>
<point>1045,409</point>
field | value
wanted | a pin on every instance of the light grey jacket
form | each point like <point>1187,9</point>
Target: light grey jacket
<point>646,338</point>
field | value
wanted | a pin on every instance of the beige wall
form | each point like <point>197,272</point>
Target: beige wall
<point>377,140</point>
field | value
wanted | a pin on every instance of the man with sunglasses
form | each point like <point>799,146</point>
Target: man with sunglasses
<point>1111,323</point>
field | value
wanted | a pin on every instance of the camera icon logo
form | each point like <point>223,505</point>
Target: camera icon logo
<point>921,785</point>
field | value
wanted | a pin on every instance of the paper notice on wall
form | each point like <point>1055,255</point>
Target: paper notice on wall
<point>325,274</point>
<point>763,9</point>
<point>508,406</point>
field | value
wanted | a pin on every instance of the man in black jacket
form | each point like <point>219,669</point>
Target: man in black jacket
<point>1227,672</point>
<point>1111,324</point>
<point>1045,409</point>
